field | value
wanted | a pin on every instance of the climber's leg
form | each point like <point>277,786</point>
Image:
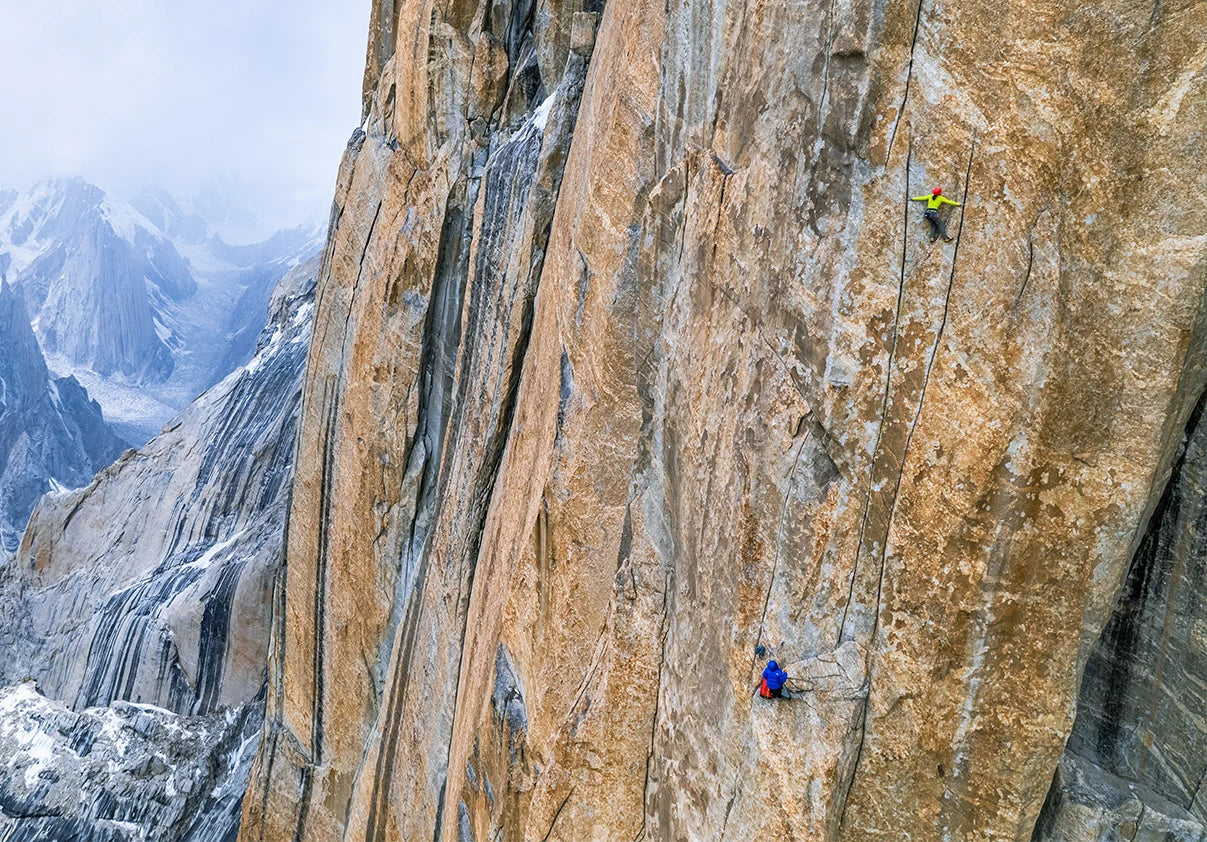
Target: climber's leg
<point>936,224</point>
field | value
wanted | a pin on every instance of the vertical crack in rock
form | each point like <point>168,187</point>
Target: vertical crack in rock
<point>1027,275</point>
<point>509,177</point>
<point>780,536</point>
<point>519,188</point>
<point>663,630</point>
<point>930,364</point>
<point>888,389</point>
<point>326,458</point>
<point>556,815</point>
<point>909,75</point>
<point>441,340</point>
<point>307,781</point>
<point>884,536</point>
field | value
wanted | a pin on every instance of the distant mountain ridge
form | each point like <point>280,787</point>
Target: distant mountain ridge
<point>51,434</point>
<point>132,309</point>
<point>162,210</point>
<point>143,302</point>
<point>98,278</point>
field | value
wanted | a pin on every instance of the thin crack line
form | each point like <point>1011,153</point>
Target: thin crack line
<point>908,75</point>
<point>904,456</point>
<point>888,385</point>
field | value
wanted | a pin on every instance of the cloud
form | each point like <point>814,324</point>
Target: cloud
<point>258,95</point>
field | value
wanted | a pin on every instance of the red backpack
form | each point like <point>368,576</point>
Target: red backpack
<point>763,691</point>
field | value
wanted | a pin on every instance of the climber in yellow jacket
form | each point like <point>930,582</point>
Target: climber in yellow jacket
<point>935,201</point>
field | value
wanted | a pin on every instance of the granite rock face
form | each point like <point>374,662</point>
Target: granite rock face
<point>148,594</point>
<point>1141,727</point>
<point>631,355</point>
<point>1090,804</point>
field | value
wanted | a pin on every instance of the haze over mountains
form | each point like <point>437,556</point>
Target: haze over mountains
<point>142,301</point>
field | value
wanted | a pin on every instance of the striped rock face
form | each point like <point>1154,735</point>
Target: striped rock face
<point>140,606</point>
<point>631,354</point>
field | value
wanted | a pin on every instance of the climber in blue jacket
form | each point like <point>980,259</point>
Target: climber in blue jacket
<point>773,681</point>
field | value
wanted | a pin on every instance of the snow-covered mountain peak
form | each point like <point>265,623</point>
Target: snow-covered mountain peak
<point>55,211</point>
<point>141,300</point>
<point>181,225</point>
<point>98,278</point>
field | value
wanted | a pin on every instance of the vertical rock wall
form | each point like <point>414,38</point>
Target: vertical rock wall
<point>631,355</point>
<point>1137,756</point>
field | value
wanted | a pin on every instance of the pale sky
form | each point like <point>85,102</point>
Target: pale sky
<point>256,94</point>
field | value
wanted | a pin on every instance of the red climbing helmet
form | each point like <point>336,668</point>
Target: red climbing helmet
<point>938,191</point>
